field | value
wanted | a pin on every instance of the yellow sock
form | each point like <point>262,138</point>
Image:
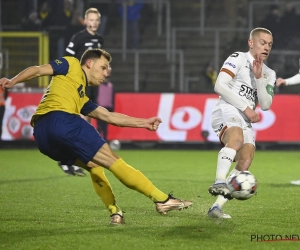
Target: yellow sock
<point>103,188</point>
<point>135,180</point>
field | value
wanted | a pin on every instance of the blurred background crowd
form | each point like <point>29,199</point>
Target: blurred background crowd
<point>171,45</point>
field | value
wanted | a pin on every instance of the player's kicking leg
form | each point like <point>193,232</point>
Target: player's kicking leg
<point>135,180</point>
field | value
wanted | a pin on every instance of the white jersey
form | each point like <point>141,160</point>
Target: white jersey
<point>243,84</point>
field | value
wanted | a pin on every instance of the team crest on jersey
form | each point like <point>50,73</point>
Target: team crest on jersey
<point>265,76</point>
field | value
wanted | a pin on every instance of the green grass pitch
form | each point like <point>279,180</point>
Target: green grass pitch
<point>42,208</point>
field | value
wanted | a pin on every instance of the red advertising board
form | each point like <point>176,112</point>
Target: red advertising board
<point>184,116</point>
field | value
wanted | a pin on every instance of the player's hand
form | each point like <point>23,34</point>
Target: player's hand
<point>257,66</point>
<point>152,123</point>
<point>251,115</point>
<point>6,83</point>
<point>280,81</point>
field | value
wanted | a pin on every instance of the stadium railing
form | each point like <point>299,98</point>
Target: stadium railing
<point>21,50</point>
<point>137,53</point>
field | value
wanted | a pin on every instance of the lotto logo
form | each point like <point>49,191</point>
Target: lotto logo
<point>185,117</point>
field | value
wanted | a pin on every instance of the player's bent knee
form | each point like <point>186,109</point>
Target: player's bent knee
<point>105,157</point>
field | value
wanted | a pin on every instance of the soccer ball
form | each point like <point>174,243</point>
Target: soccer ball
<point>242,185</point>
<point>115,145</point>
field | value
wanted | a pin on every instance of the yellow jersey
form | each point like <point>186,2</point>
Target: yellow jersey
<point>66,90</point>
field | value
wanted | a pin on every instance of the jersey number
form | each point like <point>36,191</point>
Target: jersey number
<point>235,54</point>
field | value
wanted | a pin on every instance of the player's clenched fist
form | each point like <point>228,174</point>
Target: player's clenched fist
<point>153,123</point>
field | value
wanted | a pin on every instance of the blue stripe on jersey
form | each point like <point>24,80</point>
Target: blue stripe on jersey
<point>88,107</point>
<point>60,66</point>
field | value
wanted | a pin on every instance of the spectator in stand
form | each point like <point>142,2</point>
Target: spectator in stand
<point>211,74</point>
<point>272,22</point>
<point>32,23</point>
<point>44,14</point>
<point>134,8</point>
<point>28,7</point>
<point>105,99</point>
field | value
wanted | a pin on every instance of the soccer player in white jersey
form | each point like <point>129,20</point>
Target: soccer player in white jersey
<point>287,82</point>
<point>244,81</point>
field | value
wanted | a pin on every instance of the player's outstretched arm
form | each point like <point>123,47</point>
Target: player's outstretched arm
<point>280,81</point>
<point>27,74</point>
<point>122,120</point>
<point>289,81</point>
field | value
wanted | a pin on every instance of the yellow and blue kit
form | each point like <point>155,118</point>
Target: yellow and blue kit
<point>59,130</point>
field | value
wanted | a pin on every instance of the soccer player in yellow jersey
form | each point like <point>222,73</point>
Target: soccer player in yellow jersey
<point>62,135</point>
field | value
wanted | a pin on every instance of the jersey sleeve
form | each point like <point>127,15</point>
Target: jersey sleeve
<point>222,88</point>
<point>265,89</point>
<point>73,46</point>
<point>232,64</point>
<point>60,66</point>
<point>88,107</point>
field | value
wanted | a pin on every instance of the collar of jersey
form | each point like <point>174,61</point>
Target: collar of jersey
<point>86,80</point>
<point>250,57</point>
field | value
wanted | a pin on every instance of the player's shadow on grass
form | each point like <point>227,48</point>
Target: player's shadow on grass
<point>2,182</point>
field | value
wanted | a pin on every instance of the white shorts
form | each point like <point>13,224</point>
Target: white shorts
<point>225,116</point>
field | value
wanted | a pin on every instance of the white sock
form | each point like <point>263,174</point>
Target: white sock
<point>75,167</point>
<point>65,167</point>
<point>220,201</point>
<point>233,172</point>
<point>225,159</point>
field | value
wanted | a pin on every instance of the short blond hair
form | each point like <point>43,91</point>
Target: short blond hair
<point>91,10</point>
<point>258,30</point>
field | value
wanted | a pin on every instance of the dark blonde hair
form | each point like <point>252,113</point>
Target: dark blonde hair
<point>91,10</point>
<point>258,30</point>
<point>94,54</point>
